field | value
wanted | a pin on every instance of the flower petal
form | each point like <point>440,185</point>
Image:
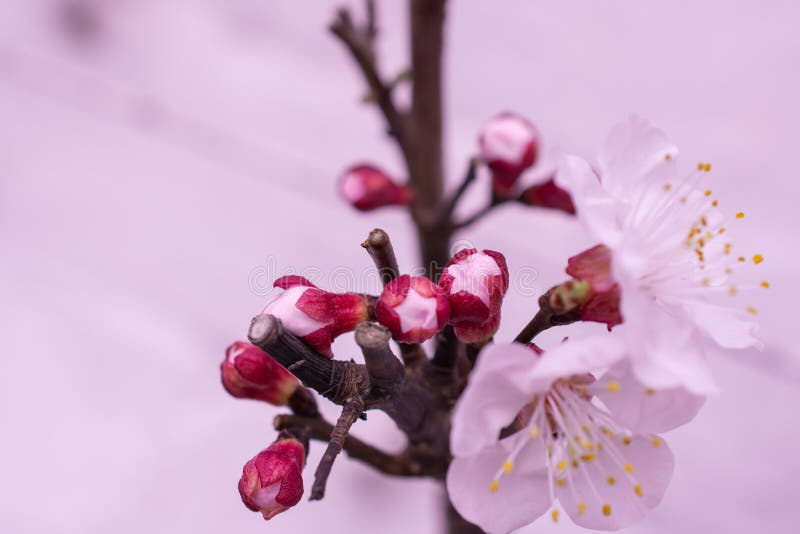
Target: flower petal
<point>617,489</point>
<point>600,212</point>
<point>723,324</point>
<point>634,152</point>
<point>518,498</point>
<point>499,386</point>
<point>642,409</point>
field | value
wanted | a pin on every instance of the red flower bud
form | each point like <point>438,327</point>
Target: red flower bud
<point>412,308</point>
<point>601,302</point>
<point>367,188</point>
<point>475,283</point>
<point>249,373</point>
<point>548,195</point>
<point>314,315</point>
<point>509,144</point>
<point>272,481</point>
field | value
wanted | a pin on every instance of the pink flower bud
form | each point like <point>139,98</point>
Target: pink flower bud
<point>249,373</point>
<point>475,282</point>
<point>412,308</point>
<point>272,481</point>
<point>509,144</point>
<point>315,316</point>
<point>601,302</point>
<point>367,188</point>
<point>475,332</point>
<point>548,195</point>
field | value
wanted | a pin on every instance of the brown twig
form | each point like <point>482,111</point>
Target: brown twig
<point>379,247</point>
<point>478,215</point>
<point>545,318</point>
<point>320,430</point>
<point>359,43</point>
<point>469,177</point>
<point>352,409</point>
<point>383,367</point>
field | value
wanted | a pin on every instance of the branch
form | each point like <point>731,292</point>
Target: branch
<point>475,217</point>
<point>333,379</point>
<point>379,247</point>
<point>350,412</point>
<point>469,177</point>
<point>546,317</point>
<point>383,367</point>
<point>320,430</point>
<point>359,43</point>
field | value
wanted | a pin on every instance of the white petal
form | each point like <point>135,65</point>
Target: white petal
<point>608,506</point>
<point>521,496</point>
<point>635,152</point>
<point>723,324</point>
<point>499,386</point>
<point>601,213</point>
<point>581,356</point>
<point>641,409</point>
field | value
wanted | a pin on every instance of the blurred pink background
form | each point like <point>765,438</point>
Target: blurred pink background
<point>154,154</point>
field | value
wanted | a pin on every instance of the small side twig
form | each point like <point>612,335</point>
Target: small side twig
<point>478,215</point>
<point>319,429</point>
<point>359,43</point>
<point>379,247</point>
<point>350,412</point>
<point>469,177</point>
<point>383,367</point>
<point>545,318</point>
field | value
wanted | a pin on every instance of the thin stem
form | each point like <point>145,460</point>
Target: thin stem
<point>320,430</point>
<point>539,323</point>
<point>350,412</point>
<point>469,177</point>
<point>475,217</point>
<point>379,247</point>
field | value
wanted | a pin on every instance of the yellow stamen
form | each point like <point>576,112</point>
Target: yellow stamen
<point>708,192</point>
<point>667,186</point>
<point>667,157</point>
<point>535,432</point>
<point>560,482</point>
<point>612,481</point>
<point>700,166</point>
<point>626,440</point>
<point>508,466</point>
<point>740,215</point>
<point>714,203</point>
<point>613,386</point>
<point>656,442</point>
<point>732,290</point>
<point>588,457</point>
<point>752,310</point>
<point>494,486</point>
<point>638,490</point>
<point>581,507</point>
<point>707,167</point>
<point>628,468</point>
<point>554,515</point>
<point>562,465</point>
<point>740,258</point>
<point>606,510</point>
<point>765,284</point>
<point>758,258</point>
<point>650,391</point>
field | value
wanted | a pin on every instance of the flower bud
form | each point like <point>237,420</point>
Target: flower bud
<point>413,308</point>
<point>315,316</point>
<point>249,373</point>
<point>475,282</point>
<point>599,294</point>
<point>272,481</point>
<point>548,195</point>
<point>367,188</point>
<point>509,144</point>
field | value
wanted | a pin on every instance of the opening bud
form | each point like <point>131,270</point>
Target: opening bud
<point>249,373</point>
<point>314,315</point>
<point>413,308</point>
<point>366,188</point>
<point>475,283</point>
<point>599,293</point>
<point>548,195</point>
<point>509,144</point>
<point>272,481</point>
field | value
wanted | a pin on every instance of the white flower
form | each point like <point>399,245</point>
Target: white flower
<point>568,449</point>
<point>670,252</point>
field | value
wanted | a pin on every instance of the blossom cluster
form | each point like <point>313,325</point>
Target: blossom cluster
<point>574,429</point>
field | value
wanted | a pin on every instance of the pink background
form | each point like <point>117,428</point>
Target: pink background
<point>148,170</point>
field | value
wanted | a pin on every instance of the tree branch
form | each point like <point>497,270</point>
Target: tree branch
<point>359,43</point>
<point>379,247</point>
<point>475,217</point>
<point>320,430</point>
<point>546,318</point>
<point>350,412</point>
<point>469,177</point>
<point>383,367</point>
